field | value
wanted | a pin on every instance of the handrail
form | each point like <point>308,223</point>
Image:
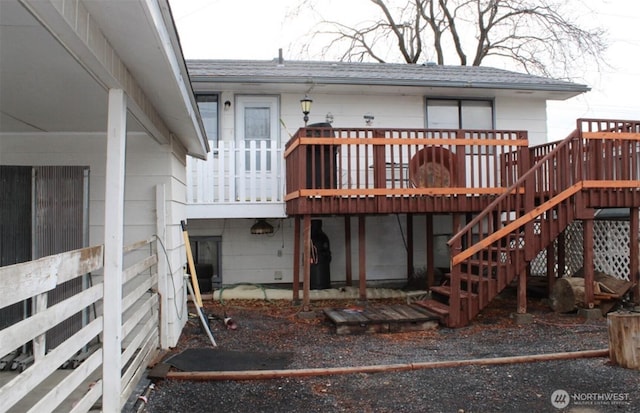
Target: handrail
<point>512,188</point>
<point>519,222</point>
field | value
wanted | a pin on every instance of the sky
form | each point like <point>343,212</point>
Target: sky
<point>223,29</point>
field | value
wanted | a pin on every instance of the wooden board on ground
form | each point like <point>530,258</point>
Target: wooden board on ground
<point>380,319</point>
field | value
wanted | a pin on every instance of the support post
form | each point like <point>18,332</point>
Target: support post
<point>587,253</point>
<point>362,262</point>
<point>113,244</point>
<point>634,253</point>
<point>296,260</point>
<point>164,275</point>
<point>551,265</point>
<point>562,255</point>
<point>430,255</point>
<point>306,305</point>
<point>410,264</point>
<point>347,250</point>
<point>522,289</point>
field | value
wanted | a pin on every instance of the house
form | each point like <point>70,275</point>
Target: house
<point>97,120</point>
<point>440,167</point>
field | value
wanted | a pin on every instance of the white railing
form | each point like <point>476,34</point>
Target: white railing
<point>237,173</point>
<point>75,365</point>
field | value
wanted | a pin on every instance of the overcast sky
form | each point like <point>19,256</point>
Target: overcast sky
<point>256,29</point>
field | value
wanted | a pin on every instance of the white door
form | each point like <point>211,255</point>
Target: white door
<point>258,142</point>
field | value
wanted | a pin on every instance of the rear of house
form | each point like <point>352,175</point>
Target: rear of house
<point>252,109</point>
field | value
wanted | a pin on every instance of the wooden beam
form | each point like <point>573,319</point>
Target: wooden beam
<point>588,270</point>
<point>528,217</point>
<point>347,250</point>
<point>296,260</point>
<point>306,230</point>
<point>522,289</point>
<point>382,141</point>
<point>562,255</point>
<point>430,255</point>
<point>633,136</point>
<point>410,263</point>
<point>551,265</point>
<point>449,191</point>
<point>362,260</point>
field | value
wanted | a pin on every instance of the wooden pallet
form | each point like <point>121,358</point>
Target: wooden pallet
<point>395,318</point>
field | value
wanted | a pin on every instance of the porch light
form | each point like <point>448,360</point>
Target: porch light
<point>261,227</point>
<point>306,108</point>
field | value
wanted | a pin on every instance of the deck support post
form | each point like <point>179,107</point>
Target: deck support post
<point>362,278</point>
<point>562,255</point>
<point>430,255</point>
<point>522,289</point>
<point>296,261</point>
<point>587,253</point>
<point>410,264</point>
<point>551,265</point>
<point>306,230</point>
<point>634,253</point>
<point>347,250</point>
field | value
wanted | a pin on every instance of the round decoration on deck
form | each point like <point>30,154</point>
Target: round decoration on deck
<point>432,167</point>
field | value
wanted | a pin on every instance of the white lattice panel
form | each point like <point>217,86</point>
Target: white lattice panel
<point>611,250</point>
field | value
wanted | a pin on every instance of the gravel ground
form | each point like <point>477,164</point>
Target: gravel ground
<point>592,384</point>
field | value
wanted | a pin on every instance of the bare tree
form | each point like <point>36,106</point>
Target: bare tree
<point>540,36</point>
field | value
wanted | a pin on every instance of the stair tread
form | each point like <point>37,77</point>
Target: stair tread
<point>485,262</point>
<point>446,290</point>
<point>435,306</point>
<point>472,278</point>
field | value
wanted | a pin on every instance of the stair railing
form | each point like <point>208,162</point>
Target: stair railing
<point>607,151</point>
<point>486,244</point>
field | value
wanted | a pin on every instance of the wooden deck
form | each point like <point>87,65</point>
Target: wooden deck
<point>397,318</point>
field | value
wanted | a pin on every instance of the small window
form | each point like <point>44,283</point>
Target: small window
<point>208,106</point>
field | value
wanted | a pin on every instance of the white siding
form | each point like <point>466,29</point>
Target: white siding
<point>519,114</point>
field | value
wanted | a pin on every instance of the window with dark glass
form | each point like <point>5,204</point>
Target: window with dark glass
<point>474,114</point>
<point>209,111</point>
<point>459,114</point>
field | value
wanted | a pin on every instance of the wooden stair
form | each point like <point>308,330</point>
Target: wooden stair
<point>507,236</point>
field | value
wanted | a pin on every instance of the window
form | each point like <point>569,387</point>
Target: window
<point>208,106</point>
<point>459,114</point>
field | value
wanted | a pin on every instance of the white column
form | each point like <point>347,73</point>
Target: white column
<point>113,244</point>
<point>164,274</point>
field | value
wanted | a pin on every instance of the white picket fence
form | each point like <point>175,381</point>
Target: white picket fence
<point>237,173</point>
<point>40,384</point>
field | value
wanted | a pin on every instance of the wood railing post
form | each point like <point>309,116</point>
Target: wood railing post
<point>379,165</point>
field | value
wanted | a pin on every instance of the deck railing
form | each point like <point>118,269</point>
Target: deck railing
<point>357,163</point>
<point>237,173</point>
<point>75,365</point>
